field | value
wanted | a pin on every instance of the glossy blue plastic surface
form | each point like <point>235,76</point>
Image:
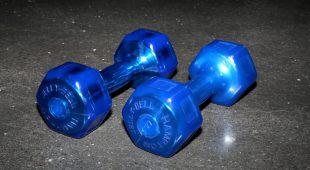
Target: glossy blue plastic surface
<point>74,99</point>
<point>162,114</point>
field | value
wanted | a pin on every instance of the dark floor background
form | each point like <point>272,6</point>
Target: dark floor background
<point>267,129</point>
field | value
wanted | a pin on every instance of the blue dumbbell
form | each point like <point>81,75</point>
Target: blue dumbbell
<point>161,115</point>
<point>74,99</point>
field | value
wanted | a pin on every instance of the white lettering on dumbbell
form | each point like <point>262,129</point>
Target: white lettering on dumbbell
<point>63,91</point>
<point>135,107</point>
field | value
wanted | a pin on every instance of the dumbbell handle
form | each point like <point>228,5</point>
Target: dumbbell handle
<point>118,75</point>
<point>202,88</point>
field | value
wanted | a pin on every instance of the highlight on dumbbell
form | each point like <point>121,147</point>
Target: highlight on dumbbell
<point>74,99</point>
<point>161,115</point>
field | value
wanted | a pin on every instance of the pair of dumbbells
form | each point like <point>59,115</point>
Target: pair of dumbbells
<point>161,115</point>
<point>74,99</point>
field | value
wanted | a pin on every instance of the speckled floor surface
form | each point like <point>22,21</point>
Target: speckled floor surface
<point>267,129</point>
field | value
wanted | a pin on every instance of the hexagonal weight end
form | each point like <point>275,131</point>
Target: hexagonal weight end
<point>161,116</point>
<point>151,50</point>
<point>230,65</point>
<point>73,100</point>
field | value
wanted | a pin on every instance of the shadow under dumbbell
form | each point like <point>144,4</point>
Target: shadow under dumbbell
<point>252,87</point>
<point>125,128</point>
<point>120,91</point>
<point>173,74</point>
<point>107,117</point>
<point>193,137</point>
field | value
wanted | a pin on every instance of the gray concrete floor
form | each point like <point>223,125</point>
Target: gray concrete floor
<point>267,129</point>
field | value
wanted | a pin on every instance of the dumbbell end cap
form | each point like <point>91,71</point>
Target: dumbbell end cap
<point>160,116</point>
<point>72,99</point>
<point>231,67</point>
<point>151,50</point>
